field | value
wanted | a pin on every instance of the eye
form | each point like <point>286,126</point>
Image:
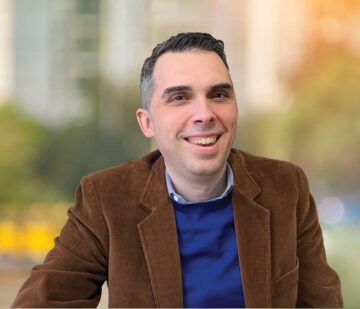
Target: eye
<point>220,96</point>
<point>177,97</point>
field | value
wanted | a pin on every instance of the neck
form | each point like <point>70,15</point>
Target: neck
<point>199,188</point>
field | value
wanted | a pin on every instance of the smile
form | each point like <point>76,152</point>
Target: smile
<point>203,141</point>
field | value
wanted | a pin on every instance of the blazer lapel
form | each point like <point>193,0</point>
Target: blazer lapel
<point>159,241</point>
<point>160,244</point>
<point>252,227</point>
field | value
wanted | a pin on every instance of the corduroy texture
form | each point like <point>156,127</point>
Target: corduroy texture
<point>122,230</point>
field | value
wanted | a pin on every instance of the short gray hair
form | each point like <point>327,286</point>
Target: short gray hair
<point>178,43</point>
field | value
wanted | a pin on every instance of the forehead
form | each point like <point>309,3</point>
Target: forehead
<point>191,68</point>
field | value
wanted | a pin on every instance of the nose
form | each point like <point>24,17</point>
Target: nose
<point>204,113</point>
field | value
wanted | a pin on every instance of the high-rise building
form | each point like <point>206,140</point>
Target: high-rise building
<point>61,49</point>
<point>6,63</point>
<point>276,34</point>
<point>125,36</point>
<point>55,57</point>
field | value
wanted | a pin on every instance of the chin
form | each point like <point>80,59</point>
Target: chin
<point>206,168</point>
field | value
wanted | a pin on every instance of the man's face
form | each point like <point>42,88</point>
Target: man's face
<point>193,113</point>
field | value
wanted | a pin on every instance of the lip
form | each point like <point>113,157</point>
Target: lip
<point>204,135</point>
<point>205,150</point>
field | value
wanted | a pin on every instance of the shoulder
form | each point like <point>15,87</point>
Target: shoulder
<point>129,175</point>
<point>258,166</point>
<point>274,177</point>
<point>283,187</point>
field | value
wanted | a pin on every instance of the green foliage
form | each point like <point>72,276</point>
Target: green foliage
<point>20,139</point>
<point>323,124</point>
<point>109,138</point>
<point>40,164</point>
<point>78,150</point>
<point>321,129</point>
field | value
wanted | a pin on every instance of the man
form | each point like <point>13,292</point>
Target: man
<point>197,223</point>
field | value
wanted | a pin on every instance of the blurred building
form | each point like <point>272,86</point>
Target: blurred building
<point>6,68</point>
<point>55,57</point>
<point>61,49</point>
<point>275,45</point>
<point>125,31</point>
<point>125,37</point>
<point>264,40</point>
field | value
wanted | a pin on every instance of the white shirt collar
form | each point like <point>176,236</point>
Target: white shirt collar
<point>179,199</point>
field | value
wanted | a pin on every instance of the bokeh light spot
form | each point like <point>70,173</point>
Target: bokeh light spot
<point>331,210</point>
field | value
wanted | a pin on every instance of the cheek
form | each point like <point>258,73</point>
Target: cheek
<point>164,129</point>
<point>234,116</point>
<point>171,122</point>
<point>229,118</point>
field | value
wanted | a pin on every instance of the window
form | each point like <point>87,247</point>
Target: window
<point>87,7</point>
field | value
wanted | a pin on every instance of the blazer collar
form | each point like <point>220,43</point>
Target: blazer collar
<point>155,188</point>
<point>252,228</point>
<point>160,244</point>
<point>243,182</point>
<point>159,241</point>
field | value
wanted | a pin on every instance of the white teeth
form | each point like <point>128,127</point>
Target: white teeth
<point>202,140</point>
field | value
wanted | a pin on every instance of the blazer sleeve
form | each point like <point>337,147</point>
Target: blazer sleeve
<point>73,272</point>
<point>319,285</point>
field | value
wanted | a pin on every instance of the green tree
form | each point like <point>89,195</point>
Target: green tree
<point>20,141</point>
<point>111,136</point>
<point>321,129</point>
<point>324,123</point>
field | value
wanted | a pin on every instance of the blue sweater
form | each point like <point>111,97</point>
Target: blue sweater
<point>208,252</point>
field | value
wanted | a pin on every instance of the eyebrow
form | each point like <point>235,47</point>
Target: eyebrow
<point>170,90</point>
<point>225,86</point>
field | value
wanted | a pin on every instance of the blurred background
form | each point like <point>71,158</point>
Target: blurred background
<point>69,88</point>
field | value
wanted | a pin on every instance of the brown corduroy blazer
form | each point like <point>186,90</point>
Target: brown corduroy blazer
<point>122,230</point>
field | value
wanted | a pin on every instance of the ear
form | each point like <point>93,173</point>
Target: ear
<point>145,122</point>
